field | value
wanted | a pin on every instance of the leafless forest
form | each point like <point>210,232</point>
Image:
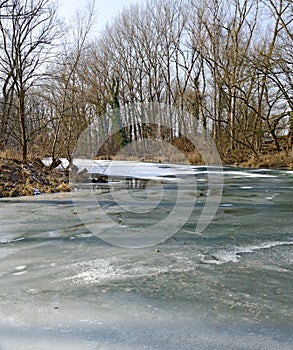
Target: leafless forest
<point>228,63</point>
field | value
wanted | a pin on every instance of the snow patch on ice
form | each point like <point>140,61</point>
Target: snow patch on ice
<point>234,254</point>
<point>102,270</point>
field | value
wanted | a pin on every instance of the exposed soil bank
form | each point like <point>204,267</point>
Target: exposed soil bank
<point>30,178</point>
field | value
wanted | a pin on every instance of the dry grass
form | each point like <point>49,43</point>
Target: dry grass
<point>26,179</point>
<point>195,158</point>
<point>10,154</point>
<point>63,187</point>
<point>275,160</point>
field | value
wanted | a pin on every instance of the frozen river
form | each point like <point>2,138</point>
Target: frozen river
<point>66,282</point>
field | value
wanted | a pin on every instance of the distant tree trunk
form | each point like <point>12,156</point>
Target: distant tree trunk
<point>21,115</point>
<point>290,134</point>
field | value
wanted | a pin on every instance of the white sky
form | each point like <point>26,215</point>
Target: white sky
<point>106,9</point>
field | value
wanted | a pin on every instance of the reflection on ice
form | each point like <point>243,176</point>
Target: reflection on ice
<point>154,208</point>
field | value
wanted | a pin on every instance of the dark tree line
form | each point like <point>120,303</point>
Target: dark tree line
<point>228,63</point>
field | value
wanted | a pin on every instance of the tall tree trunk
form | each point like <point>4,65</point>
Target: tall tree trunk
<point>21,114</point>
<point>290,134</point>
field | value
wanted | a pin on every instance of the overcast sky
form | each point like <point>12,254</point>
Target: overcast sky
<point>106,9</point>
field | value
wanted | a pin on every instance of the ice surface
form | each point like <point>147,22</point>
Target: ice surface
<point>229,287</point>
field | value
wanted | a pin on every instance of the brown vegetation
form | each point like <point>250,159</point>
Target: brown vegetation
<point>275,160</point>
<point>19,178</point>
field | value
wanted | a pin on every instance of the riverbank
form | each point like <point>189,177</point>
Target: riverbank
<point>270,160</point>
<point>19,178</point>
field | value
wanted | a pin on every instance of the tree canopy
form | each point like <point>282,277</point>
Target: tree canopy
<point>228,63</point>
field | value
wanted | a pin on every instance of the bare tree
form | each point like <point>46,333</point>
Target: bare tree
<point>208,57</point>
<point>67,94</point>
<point>269,62</point>
<point>280,70</point>
<point>230,30</point>
<point>27,31</point>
